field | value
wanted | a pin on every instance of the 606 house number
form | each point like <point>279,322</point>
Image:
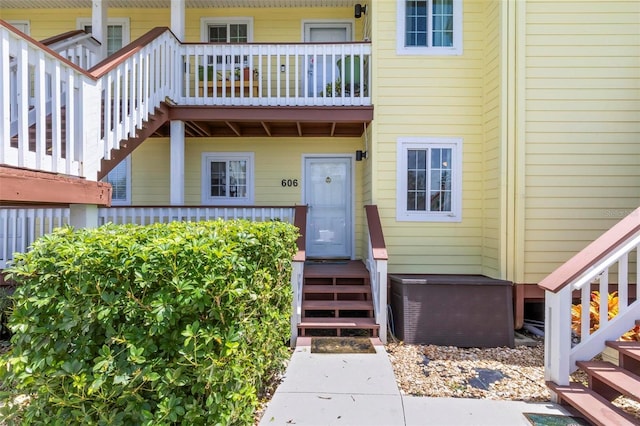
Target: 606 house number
<point>289,182</point>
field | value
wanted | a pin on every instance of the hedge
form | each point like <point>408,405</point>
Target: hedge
<point>178,323</point>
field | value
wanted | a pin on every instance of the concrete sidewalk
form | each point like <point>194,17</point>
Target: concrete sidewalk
<point>360,389</point>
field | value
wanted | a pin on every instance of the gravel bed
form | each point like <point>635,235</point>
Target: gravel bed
<point>508,374</point>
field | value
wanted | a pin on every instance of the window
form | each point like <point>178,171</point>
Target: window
<point>227,30</point>
<point>429,27</point>
<point>21,25</point>
<point>117,32</point>
<point>120,180</point>
<point>227,178</point>
<point>429,179</point>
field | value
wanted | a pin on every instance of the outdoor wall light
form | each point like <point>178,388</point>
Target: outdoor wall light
<point>360,10</point>
<point>282,68</point>
<point>360,155</point>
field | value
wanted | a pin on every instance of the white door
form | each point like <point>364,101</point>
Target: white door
<point>327,190</point>
<point>323,32</point>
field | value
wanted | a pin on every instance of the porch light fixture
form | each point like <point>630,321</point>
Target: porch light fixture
<point>360,155</point>
<point>360,10</point>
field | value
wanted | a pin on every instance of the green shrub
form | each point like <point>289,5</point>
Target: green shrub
<point>6,306</point>
<point>177,323</point>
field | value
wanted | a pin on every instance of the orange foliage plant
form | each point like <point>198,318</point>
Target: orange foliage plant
<point>594,316</point>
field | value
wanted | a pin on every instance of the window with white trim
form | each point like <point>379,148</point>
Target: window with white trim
<point>117,32</point>
<point>227,178</point>
<point>21,25</point>
<point>429,27</point>
<point>429,179</point>
<point>227,30</point>
<point>120,180</point>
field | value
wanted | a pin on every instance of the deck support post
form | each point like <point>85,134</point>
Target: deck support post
<point>177,18</point>
<point>99,12</point>
<point>177,163</point>
<point>83,215</point>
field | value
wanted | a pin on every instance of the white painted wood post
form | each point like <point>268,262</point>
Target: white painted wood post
<point>557,348</point>
<point>177,163</point>
<point>177,18</point>
<point>99,11</point>
<point>381,269</point>
<point>83,216</point>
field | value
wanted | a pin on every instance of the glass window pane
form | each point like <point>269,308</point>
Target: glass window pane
<point>118,180</point>
<point>421,201</point>
<point>218,179</point>
<point>446,158</point>
<point>218,33</point>
<point>416,23</point>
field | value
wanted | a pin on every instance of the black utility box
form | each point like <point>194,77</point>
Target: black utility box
<point>452,310</point>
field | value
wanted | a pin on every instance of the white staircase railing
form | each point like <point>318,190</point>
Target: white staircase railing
<point>612,261</point>
<point>76,46</point>
<point>57,117</point>
<point>377,265</point>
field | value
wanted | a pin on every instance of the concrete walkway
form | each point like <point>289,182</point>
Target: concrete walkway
<point>360,389</point>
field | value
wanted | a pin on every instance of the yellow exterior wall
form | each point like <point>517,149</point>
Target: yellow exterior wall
<point>492,153</point>
<point>270,25</point>
<point>275,159</point>
<point>430,96</point>
<point>582,125</point>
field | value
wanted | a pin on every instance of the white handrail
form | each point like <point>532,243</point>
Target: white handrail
<point>560,356</point>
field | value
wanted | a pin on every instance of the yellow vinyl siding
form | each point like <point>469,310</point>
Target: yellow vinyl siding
<point>583,125</point>
<point>270,25</point>
<point>430,96</point>
<point>491,250</point>
<point>275,159</point>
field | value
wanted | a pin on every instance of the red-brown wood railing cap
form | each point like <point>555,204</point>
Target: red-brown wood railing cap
<point>44,47</point>
<point>121,55</point>
<point>376,235</point>
<point>591,254</point>
<point>64,36</point>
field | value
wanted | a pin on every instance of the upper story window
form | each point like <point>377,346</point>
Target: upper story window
<point>227,30</point>
<point>429,27</point>
<point>429,179</point>
<point>120,180</point>
<point>227,178</point>
<point>117,32</point>
<point>21,25</point>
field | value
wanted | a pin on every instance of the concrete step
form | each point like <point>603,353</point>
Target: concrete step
<point>611,381</point>
<point>593,406</point>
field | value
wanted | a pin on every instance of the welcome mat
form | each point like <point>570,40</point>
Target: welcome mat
<point>537,419</point>
<point>342,345</point>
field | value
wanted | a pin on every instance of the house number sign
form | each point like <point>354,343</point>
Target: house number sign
<point>289,182</point>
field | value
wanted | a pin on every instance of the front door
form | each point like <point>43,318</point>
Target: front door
<point>327,192</point>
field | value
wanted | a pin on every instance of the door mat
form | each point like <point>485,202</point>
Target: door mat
<point>342,345</point>
<point>537,419</point>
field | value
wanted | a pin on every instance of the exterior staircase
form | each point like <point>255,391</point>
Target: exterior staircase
<point>606,382</point>
<point>336,300</point>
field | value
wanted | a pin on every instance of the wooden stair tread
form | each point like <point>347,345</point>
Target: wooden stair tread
<point>356,305</point>
<point>630,349</point>
<point>338,322</point>
<point>321,288</point>
<point>591,405</point>
<point>613,376</point>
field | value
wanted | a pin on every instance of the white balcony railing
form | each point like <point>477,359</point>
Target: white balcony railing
<point>276,74</point>
<point>605,263</point>
<point>20,227</point>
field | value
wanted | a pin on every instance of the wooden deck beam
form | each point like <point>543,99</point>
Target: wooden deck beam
<point>28,186</point>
